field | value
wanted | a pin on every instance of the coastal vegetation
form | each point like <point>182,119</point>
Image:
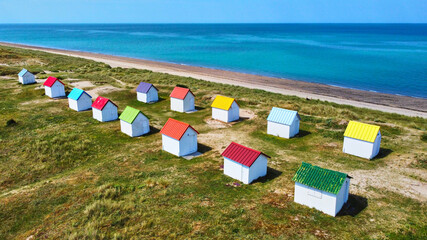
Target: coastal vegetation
<point>66,175</point>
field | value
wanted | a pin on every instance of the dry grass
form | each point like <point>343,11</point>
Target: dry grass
<point>66,175</point>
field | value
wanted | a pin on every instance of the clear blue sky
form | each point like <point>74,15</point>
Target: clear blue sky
<point>213,11</point>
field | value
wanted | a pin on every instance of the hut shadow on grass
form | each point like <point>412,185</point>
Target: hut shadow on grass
<point>182,85</point>
<point>202,148</point>
<point>198,108</point>
<point>32,83</point>
<point>354,206</point>
<point>271,174</point>
<point>59,98</point>
<point>384,152</point>
<point>241,119</point>
<point>302,133</point>
<point>153,130</point>
<point>159,99</point>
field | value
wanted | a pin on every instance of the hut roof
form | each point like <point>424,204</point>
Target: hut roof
<point>320,178</point>
<point>282,116</point>
<point>22,72</point>
<point>180,93</point>
<point>100,102</point>
<point>241,154</point>
<point>222,102</point>
<point>144,87</point>
<point>175,129</point>
<point>129,114</point>
<point>361,131</point>
<point>76,93</point>
<point>50,81</point>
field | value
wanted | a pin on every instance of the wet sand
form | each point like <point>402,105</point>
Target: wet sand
<point>409,106</point>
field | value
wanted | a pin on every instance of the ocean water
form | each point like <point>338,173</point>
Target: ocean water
<point>389,58</point>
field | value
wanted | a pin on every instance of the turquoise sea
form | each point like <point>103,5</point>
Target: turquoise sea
<point>389,58</point>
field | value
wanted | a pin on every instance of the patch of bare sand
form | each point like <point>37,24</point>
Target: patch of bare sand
<point>122,83</point>
<point>17,91</point>
<point>246,114</point>
<point>82,84</point>
<point>389,179</point>
<point>102,90</point>
<point>220,139</point>
<point>216,124</point>
<point>41,81</point>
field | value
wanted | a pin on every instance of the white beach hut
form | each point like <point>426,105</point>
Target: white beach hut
<point>147,92</point>
<point>179,138</point>
<point>104,110</point>
<point>25,77</point>
<point>54,88</point>
<point>133,122</point>
<point>182,100</point>
<point>321,188</point>
<point>243,163</point>
<point>225,109</point>
<point>283,122</point>
<point>79,100</point>
<point>362,140</point>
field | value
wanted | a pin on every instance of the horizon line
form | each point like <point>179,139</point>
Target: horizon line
<point>218,23</point>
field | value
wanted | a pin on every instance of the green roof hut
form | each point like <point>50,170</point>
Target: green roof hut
<point>133,122</point>
<point>323,189</point>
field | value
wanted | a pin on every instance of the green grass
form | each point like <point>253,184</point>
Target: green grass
<point>66,175</point>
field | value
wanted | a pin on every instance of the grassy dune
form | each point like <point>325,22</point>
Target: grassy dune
<point>66,175</point>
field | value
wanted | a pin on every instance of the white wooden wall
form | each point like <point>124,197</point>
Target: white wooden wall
<point>258,168</point>
<point>342,196</point>
<point>108,113</point>
<point>57,90</point>
<point>185,146</point>
<point>361,148</point>
<point>188,143</point>
<point>185,105</point>
<point>140,126</point>
<point>226,116</point>
<point>84,103</point>
<point>28,78</point>
<point>244,173</point>
<point>177,105</point>
<point>282,130</point>
<point>314,198</point>
<point>170,145</point>
<point>150,96</point>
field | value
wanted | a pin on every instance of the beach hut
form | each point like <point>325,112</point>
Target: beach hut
<point>283,122</point>
<point>182,100</point>
<point>104,110</point>
<point>243,163</point>
<point>179,138</point>
<point>54,88</point>
<point>25,77</point>
<point>225,109</point>
<point>133,122</point>
<point>79,100</point>
<point>362,140</point>
<point>147,92</point>
<point>321,188</point>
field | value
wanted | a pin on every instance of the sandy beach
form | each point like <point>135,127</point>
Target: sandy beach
<point>409,106</point>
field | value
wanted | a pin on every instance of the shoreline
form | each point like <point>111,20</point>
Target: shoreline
<point>410,106</point>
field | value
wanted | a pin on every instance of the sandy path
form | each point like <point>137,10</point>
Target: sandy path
<point>377,101</point>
